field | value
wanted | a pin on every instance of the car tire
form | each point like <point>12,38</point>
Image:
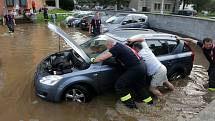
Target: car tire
<point>78,93</point>
<point>176,76</point>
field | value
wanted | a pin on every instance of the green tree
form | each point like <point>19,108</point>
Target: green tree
<point>66,4</point>
<point>200,5</point>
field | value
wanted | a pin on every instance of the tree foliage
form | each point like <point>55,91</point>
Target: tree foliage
<point>200,5</point>
<point>66,4</point>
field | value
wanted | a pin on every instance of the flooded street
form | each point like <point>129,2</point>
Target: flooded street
<point>22,51</point>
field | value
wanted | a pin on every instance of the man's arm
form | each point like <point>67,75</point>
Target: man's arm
<point>4,21</point>
<point>90,28</point>
<point>14,21</point>
<point>187,40</point>
<point>102,57</point>
<point>101,31</point>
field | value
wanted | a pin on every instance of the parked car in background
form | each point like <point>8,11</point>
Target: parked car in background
<point>126,20</point>
<point>76,18</point>
<point>69,75</point>
<point>187,12</point>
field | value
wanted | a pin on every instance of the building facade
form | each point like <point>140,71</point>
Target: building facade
<point>154,5</point>
<point>6,5</point>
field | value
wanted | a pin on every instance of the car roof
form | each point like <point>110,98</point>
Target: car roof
<point>130,14</point>
<point>125,33</point>
<point>152,35</point>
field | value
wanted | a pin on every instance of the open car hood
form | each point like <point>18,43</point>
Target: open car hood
<point>69,41</point>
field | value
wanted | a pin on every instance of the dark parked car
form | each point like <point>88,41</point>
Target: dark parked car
<point>187,12</point>
<point>69,74</point>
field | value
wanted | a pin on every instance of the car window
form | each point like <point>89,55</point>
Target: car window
<point>141,19</point>
<point>130,19</point>
<point>94,46</point>
<point>115,19</point>
<point>186,48</point>
<point>158,47</point>
<point>171,45</point>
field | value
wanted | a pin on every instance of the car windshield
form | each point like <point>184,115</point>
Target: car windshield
<point>95,46</point>
<point>116,19</point>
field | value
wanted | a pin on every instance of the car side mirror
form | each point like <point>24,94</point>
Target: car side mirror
<point>124,22</point>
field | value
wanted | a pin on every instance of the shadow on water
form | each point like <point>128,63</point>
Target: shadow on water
<point>22,51</point>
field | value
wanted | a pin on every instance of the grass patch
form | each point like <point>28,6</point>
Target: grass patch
<point>210,14</point>
<point>61,15</point>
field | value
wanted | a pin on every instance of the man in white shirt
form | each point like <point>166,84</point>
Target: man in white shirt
<point>154,67</point>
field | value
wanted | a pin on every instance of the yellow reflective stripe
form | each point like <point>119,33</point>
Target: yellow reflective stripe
<point>211,89</point>
<point>127,97</point>
<point>147,99</point>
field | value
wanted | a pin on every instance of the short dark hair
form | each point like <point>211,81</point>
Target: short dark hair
<point>138,45</point>
<point>207,40</point>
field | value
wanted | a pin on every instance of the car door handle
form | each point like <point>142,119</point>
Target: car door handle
<point>169,62</point>
<point>95,74</point>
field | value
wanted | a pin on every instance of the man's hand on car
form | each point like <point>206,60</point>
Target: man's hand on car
<point>92,60</point>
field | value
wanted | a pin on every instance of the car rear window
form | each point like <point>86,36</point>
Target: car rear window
<point>161,47</point>
<point>186,48</point>
<point>158,47</point>
<point>172,45</point>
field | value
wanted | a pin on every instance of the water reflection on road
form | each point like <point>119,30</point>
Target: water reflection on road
<point>22,51</point>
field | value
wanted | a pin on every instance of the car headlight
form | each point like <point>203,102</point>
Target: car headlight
<point>50,80</point>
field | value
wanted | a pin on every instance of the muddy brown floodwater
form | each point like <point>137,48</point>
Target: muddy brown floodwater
<point>22,51</point>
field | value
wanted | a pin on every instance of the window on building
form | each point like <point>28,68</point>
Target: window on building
<point>157,6</point>
<point>23,2</point>
<point>10,2</point>
<point>167,7</point>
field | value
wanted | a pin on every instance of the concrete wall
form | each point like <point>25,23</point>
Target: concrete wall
<point>193,27</point>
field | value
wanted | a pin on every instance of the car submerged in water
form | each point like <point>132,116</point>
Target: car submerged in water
<point>69,74</point>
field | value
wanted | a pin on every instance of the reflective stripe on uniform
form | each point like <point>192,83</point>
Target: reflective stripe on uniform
<point>149,99</point>
<point>211,89</point>
<point>127,97</point>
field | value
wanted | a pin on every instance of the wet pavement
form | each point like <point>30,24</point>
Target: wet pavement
<point>22,51</point>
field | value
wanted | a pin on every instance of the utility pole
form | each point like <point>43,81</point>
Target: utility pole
<point>162,6</point>
<point>57,4</point>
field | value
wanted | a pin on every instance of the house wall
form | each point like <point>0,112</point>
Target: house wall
<point>39,4</point>
<point>1,7</point>
<point>138,4</point>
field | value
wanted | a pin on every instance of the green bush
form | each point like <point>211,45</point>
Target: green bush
<point>66,4</point>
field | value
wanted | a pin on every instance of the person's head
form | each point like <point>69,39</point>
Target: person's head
<point>110,43</point>
<point>10,11</point>
<point>208,43</point>
<point>97,14</point>
<point>137,46</point>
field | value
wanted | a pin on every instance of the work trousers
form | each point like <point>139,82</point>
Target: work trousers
<point>10,27</point>
<point>211,74</point>
<point>133,79</point>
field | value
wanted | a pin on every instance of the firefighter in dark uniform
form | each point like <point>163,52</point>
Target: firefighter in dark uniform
<point>95,25</point>
<point>133,76</point>
<point>9,20</point>
<point>208,49</point>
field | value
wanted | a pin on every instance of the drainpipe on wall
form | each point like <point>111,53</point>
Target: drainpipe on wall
<point>162,6</point>
<point>57,4</point>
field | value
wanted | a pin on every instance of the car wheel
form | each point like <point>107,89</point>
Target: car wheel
<point>176,76</point>
<point>78,93</point>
